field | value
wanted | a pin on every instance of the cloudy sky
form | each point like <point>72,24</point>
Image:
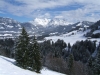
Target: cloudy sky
<point>72,10</point>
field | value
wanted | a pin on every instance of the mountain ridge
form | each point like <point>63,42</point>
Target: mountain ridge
<point>50,22</point>
<point>12,28</point>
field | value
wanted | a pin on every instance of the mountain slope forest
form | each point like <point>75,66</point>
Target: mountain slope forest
<point>58,56</point>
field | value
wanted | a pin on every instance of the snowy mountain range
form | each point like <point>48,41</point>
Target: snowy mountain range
<point>11,28</point>
<point>49,22</point>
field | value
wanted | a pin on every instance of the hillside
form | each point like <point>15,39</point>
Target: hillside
<point>7,67</point>
<point>72,37</point>
<point>94,30</point>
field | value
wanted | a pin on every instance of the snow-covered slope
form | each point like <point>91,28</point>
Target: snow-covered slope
<point>72,37</point>
<point>96,31</point>
<point>8,23</point>
<point>68,38</point>
<point>7,67</point>
<point>9,27</point>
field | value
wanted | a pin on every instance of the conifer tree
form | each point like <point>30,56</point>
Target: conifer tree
<point>69,46</point>
<point>90,62</point>
<point>96,68</point>
<point>70,63</point>
<point>21,52</point>
<point>35,56</point>
<point>90,66</point>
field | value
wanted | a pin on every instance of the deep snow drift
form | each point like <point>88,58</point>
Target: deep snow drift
<point>7,67</point>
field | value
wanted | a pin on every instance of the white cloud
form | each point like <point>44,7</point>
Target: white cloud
<point>2,12</point>
<point>40,15</point>
<point>59,16</point>
<point>29,6</point>
<point>35,8</point>
<point>88,13</point>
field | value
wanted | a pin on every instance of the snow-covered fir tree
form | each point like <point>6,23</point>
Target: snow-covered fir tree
<point>96,68</point>
<point>90,65</point>
<point>21,52</point>
<point>35,58</point>
<point>70,63</point>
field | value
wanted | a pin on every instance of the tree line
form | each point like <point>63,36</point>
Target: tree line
<point>6,47</point>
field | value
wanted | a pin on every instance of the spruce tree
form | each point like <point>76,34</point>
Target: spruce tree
<point>90,62</point>
<point>70,63</point>
<point>35,56</point>
<point>90,65</point>
<point>69,46</point>
<point>96,68</point>
<point>21,52</point>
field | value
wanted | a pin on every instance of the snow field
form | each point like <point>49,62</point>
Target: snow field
<point>69,38</point>
<point>7,67</point>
